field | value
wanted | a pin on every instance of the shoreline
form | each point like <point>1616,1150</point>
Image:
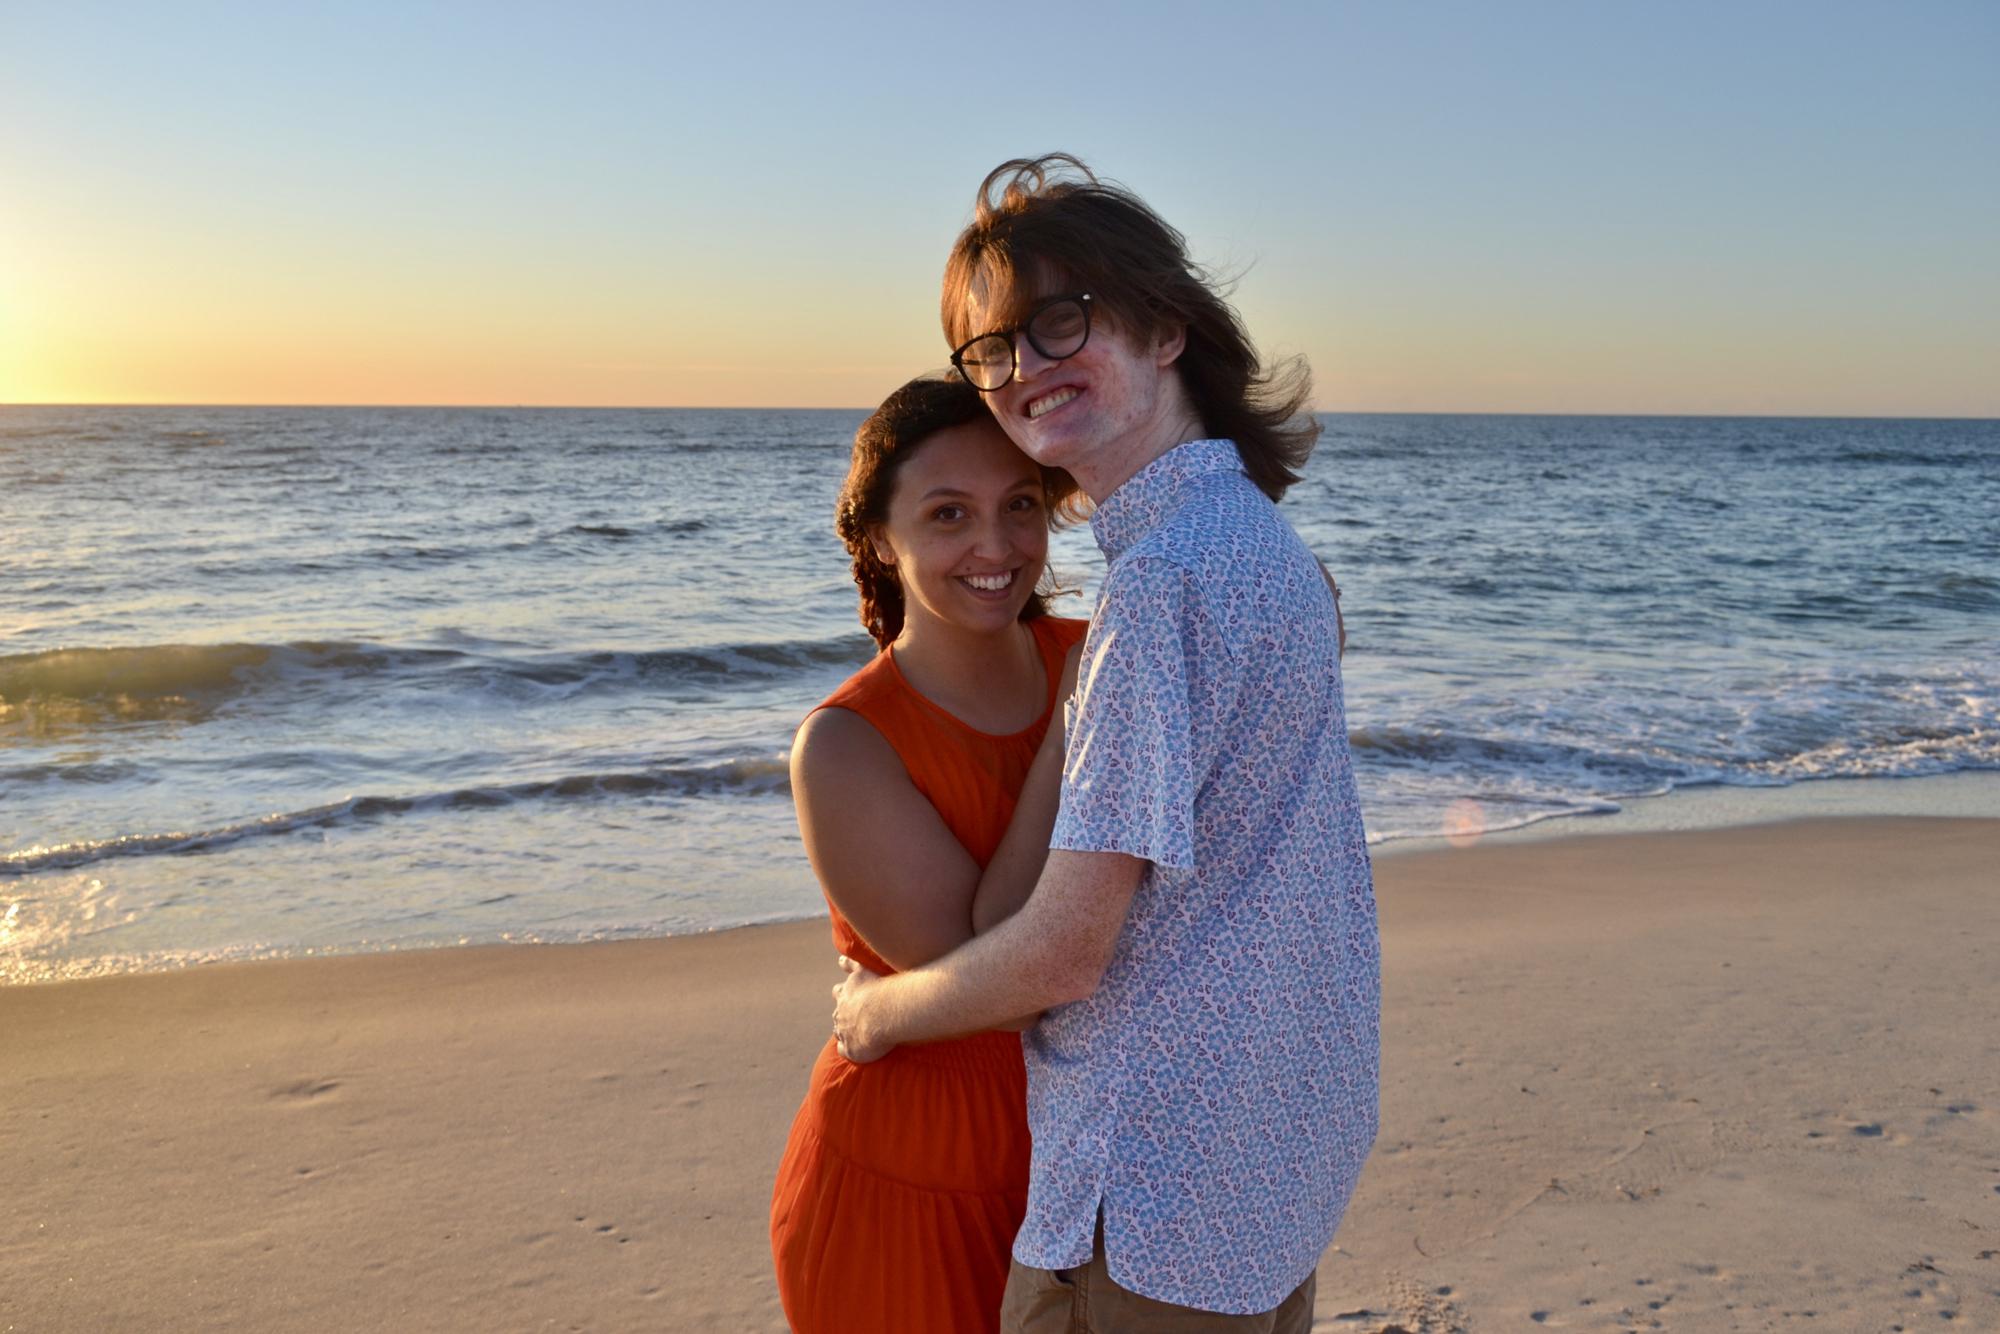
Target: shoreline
<point>1960,794</point>
<point>1710,1079</point>
<point>1699,807</point>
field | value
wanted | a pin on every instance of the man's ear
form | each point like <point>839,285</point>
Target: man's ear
<point>1168,345</point>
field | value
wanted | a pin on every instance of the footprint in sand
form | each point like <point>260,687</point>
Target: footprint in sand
<point>1957,1113</point>
<point>1876,1130</point>
<point>609,1230</point>
<point>304,1090</point>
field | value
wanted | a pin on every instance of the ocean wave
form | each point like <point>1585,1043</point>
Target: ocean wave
<point>1908,458</point>
<point>413,552</point>
<point>1466,818</point>
<point>763,776</point>
<point>184,681</point>
<point>144,673</point>
<point>1957,592</point>
<point>665,527</point>
<point>1580,765</point>
<point>1566,750</point>
<point>89,771</point>
<point>1916,752</point>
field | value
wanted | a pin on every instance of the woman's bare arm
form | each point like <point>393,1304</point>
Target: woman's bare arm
<point>887,859</point>
<point>1016,864</point>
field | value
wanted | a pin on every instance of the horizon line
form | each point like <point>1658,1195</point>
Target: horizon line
<point>842,407</point>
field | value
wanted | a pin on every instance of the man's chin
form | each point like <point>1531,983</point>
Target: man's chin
<point>1051,449</point>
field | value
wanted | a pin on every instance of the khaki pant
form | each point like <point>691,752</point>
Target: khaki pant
<point>1084,1300</point>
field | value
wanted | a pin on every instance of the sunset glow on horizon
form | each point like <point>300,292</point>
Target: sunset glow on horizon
<point>1580,209</point>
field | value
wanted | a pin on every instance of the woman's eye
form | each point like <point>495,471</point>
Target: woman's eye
<point>1026,504</point>
<point>948,514</point>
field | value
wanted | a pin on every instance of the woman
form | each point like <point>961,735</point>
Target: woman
<point>926,789</point>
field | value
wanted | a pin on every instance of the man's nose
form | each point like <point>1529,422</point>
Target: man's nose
<point>1028,363</point>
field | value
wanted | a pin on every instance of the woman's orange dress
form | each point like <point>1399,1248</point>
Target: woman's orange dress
<point>905,1180</point>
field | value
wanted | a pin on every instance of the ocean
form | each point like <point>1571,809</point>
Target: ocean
<point>293,681</point>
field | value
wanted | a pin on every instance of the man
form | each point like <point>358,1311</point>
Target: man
<point>1202,941</point>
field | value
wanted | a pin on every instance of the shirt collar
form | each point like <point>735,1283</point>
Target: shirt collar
<point>1138,506</point>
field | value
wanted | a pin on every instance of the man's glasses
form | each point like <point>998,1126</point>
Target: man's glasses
<point>1057,328</point>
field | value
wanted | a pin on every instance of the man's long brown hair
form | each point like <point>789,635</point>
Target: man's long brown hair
<point>1050,219</point>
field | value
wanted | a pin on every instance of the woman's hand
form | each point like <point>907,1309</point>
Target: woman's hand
<point>853,1037</point>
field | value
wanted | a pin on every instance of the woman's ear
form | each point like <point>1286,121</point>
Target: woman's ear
<point>1168,345</point>
<point>878,538</point>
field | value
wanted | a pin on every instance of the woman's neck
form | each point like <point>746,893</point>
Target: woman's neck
<point>992,682</point>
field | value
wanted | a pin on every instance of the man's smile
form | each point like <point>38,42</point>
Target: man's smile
<point>1050,402</point>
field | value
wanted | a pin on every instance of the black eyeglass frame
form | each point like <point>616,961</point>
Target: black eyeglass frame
<point>1025,327</point>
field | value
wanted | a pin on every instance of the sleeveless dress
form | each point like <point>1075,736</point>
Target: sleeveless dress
<point>904,1180</point>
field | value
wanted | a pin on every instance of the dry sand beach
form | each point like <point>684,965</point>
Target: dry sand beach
<point>1743,1078</point>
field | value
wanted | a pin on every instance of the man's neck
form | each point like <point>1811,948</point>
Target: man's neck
<point>1119,461</point>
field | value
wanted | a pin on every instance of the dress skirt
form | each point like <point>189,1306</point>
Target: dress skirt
<point>901,1188</point>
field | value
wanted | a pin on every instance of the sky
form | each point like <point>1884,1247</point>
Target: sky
<point>1758,207</point>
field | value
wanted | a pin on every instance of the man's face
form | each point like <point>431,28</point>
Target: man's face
<point>1086,411</point>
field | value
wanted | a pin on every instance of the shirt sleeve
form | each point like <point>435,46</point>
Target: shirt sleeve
<point>1132,766</point>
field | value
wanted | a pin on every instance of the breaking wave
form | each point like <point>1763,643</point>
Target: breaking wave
<point>750,777</point>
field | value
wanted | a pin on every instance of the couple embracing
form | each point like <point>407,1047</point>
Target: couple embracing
<point>1105,1055</point>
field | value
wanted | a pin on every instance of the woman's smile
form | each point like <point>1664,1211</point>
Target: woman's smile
<point>992,586</point>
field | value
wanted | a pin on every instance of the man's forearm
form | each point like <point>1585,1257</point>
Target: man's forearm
<point>1053,951</point>
<point>984,983</point>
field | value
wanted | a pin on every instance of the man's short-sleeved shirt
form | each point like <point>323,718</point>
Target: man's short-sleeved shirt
<point>1217,1095</point>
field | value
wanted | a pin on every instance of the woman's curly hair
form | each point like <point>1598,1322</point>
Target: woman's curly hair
<point>891,435</point>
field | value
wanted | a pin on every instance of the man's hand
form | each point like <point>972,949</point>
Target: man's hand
<point>852,1034</point>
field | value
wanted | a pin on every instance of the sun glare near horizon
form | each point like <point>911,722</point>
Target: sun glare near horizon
<point>1603,210</point>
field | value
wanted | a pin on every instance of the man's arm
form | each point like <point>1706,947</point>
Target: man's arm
<point>1128,790</point>
<point>1053,951</point>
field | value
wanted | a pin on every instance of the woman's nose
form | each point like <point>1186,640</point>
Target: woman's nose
<point>992,539</point>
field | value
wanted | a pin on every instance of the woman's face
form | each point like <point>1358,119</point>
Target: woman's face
<point>968,530</point>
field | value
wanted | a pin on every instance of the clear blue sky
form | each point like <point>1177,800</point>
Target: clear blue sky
<point>1748,207</point>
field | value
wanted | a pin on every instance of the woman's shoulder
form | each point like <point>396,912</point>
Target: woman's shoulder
<point>835,739</point>
<point>870,683</point>
<point>870,708</point>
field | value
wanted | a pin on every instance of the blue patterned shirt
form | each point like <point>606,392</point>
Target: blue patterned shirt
<point>1217,1095</point>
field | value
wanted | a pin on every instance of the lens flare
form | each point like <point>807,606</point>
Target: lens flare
<point>1464,821</point>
